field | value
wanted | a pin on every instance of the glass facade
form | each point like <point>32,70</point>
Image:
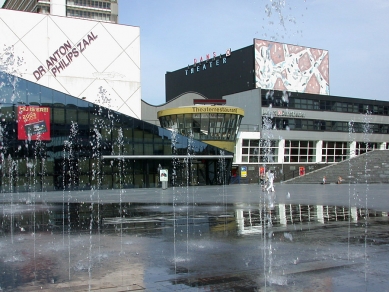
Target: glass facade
<point>335,151</point>
<point>90,9</point>
<point>80,134</point>
<point>88,14</point>
<point>300,151</point>
<point>328,126</point>
<point>91,3</point>
<point>204,126</point>
<point>324,103</point>
<point>259,151</point>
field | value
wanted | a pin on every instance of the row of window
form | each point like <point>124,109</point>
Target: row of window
<point>329,126</point>
<point>256,151</point>
<point>325,105</point>
<point>88,14</point>
<point>61,118</point>
<point>91,3</point>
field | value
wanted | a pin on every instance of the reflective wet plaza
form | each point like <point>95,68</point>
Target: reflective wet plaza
<point>214,238</point>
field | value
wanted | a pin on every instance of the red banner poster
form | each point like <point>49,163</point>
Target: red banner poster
<point>33,123</point>
<point>301,170</point>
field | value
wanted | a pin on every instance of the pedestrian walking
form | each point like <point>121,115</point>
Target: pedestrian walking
<point>271,180</point>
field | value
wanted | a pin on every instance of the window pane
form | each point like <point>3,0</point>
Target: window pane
<point>46,96</point>
<point>33,94</point>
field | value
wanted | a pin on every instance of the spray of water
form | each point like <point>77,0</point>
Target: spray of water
<point>351,132</point>
<point>10,67</point>
<point>222,177</point>
<point>266,202</point>
<point>281,19</point>
<point>174,176</point>
<point>189,180</point>
<point>69,177</point>
<point>119,146</point>
<point>103,124</point>
<point>366,139</point>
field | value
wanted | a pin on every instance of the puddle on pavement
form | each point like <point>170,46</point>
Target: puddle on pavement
<point>196,245</point>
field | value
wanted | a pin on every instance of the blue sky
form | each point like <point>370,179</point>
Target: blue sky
<point>174,32</point>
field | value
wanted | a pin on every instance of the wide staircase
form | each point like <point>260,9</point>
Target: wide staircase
<point>371,167</point>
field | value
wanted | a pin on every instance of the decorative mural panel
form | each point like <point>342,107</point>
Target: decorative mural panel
<point>291,68</point>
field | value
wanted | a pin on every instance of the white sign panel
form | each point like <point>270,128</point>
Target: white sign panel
<point>163,175</point>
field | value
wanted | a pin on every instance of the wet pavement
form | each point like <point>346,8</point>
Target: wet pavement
<point>214,238</point>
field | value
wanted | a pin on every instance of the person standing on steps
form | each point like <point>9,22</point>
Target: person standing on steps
<point>271,180</point>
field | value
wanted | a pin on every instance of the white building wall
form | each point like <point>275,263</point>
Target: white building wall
<point>58,7</point>
<point>101,55</point>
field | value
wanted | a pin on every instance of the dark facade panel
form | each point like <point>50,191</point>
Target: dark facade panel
<point>214,80</point>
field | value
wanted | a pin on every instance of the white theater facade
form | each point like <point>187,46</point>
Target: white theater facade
<point>75,56</point>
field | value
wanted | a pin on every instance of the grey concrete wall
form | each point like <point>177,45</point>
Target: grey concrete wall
<point>250,102</point>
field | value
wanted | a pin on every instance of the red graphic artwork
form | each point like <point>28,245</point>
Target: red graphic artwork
<point>33,123</point>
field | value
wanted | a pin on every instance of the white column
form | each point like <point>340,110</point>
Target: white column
<point>238,150</point>
<point>114,12</point>
<point>354,214</point>
<point>320,213</point>
<point>382,146</point>
<point>240,220</point>
<point>58,7</point>
<point>353,147</point>
<point>281,150</point>
<point>282,214</point>
<point>319,150</point>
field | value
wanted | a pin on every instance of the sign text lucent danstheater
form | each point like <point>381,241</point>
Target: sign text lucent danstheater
<point>208,62</point>
<point>212,109</point>
<point>205,66</point>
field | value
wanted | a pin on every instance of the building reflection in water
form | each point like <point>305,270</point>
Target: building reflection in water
<point>63,232</point>
<point>251,220</point>
<point>248,219</point>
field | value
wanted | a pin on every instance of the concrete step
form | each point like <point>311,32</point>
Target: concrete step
<point>371,167</point>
